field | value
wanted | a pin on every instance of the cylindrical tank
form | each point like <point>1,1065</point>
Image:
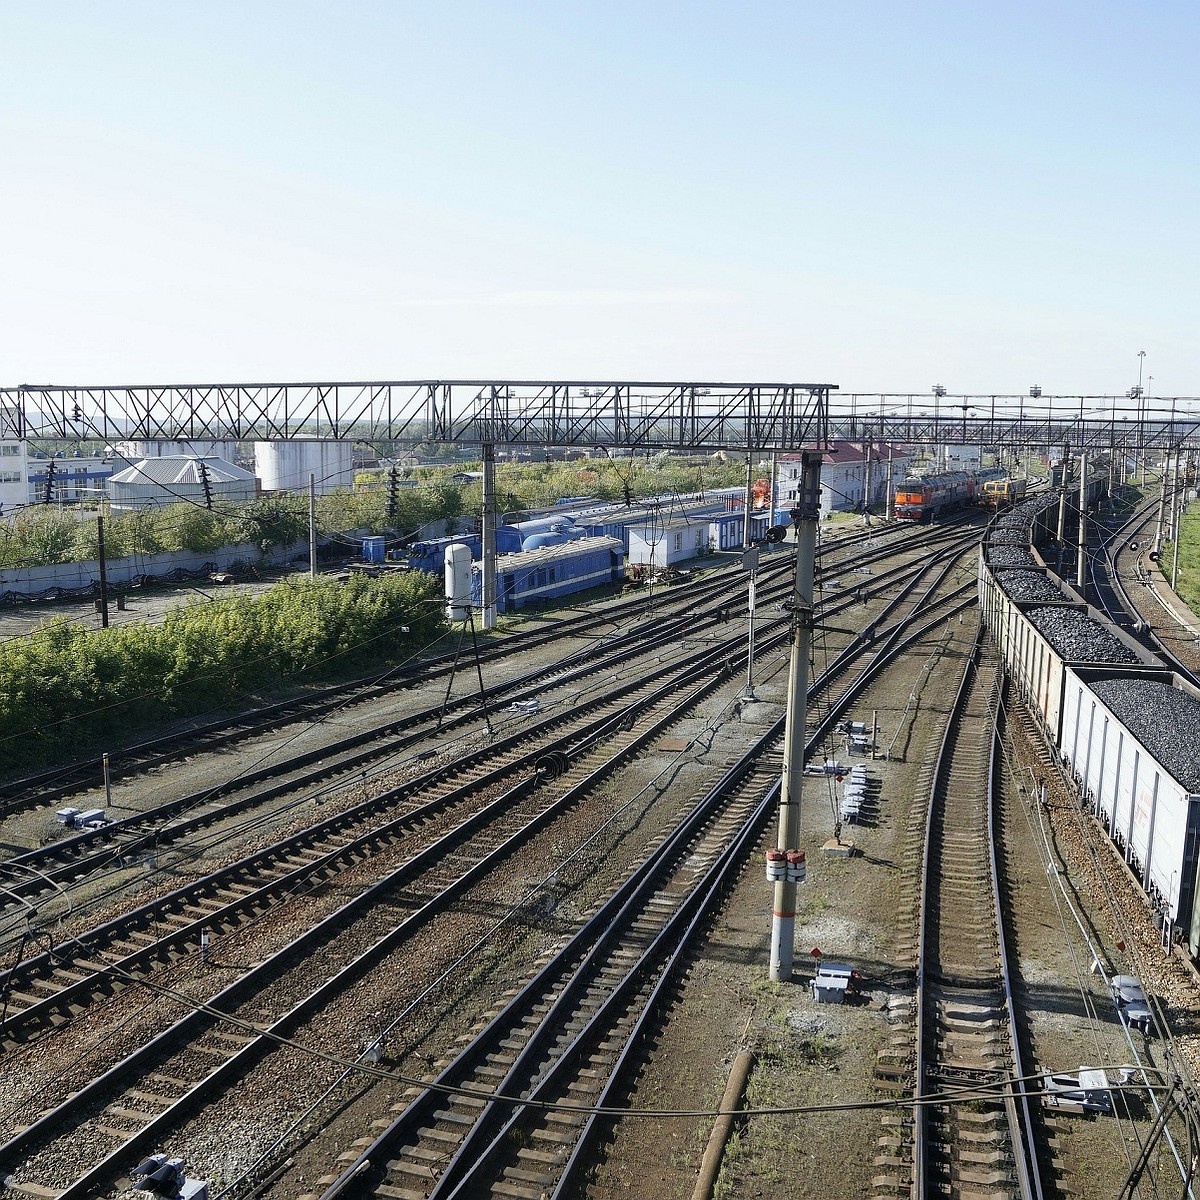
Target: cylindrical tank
<point>557,524</point>
<point>286,466</point>
<point>538,540</point>
<point>163,448</point>
<point>458,583</point>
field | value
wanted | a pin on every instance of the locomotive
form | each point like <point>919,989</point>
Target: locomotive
<point>924,498</point>
<point>1004,492</point>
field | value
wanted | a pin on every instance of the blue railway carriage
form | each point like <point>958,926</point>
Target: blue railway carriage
<point>532,578</point>
<point>430,555</point>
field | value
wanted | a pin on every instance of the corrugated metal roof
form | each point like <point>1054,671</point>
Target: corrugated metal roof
<point>174,469</point>
<point>547,554</point>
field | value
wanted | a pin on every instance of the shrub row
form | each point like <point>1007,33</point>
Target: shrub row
<point>67,689</point>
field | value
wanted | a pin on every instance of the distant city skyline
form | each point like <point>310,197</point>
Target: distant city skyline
<point>884,197</point>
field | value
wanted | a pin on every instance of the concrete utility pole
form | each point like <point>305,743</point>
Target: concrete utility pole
<point>1162,509</point>
<point>1177,509</point>
<point>749,502</point>
<point>489,536</point>
<point>312,526</point>
<point>103,574</point>
<point>1081,561</point>
<point>750,563</point>
<point>790,862</point>
<point>1064,467</point>
<point>890,499</point>
<point>867,483</point>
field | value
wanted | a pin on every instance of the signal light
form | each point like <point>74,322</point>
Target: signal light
<point>776,534</point>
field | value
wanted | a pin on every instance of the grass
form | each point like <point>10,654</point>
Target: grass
<point>1188,584</point>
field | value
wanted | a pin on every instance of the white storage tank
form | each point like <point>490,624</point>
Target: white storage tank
<point>161,448</point>
<point>458,582</point>
<point>286,466</point>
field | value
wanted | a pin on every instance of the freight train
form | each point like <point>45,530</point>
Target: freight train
<point>1064,476</point>
<point>1121,724</point>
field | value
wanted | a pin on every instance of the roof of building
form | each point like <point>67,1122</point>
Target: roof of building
<point>696,521</point>
<point>549,554</point>
<point>853,452</point>
<point>176,469</point>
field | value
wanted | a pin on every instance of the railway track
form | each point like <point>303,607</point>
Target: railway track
<point>970,1132</point>
<point>30,878</point>
<point>1121,585</point>
<point>89,1105</point>
<point>50,986</point>
<point>516,1111</point>
<point>693,602</point>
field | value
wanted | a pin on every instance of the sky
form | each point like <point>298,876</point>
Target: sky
<point>880,196</point>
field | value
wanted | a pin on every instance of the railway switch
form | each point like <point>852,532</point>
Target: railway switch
<point>163,1176</point>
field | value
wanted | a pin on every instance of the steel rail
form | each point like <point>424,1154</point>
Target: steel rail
<point>1018,1128</point>
<point>40,970</point>
<point>461,1177</point>
<point>190,1027</point>
<point>52,785</point>
<point>143,1138</point>
<point>74,856</point>
<point>1144,630</point>
<point>514,753</point>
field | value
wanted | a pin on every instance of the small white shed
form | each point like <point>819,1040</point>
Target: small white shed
<point>663,544</point>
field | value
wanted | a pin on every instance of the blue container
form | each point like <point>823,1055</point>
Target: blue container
<point>373,549</point>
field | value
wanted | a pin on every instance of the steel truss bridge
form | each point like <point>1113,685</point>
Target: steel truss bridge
<point>695,416</point>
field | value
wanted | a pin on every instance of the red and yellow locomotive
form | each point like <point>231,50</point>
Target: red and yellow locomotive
<point>923,498</point>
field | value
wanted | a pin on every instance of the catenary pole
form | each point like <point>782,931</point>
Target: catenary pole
<point>1162,508</point>
<point>312,526</point>
<point>103,574</point>
<point>1081,559</point>
<point>805,515</point>
<point>489,536</point>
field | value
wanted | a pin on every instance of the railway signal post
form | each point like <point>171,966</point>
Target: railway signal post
<point>785,865</point>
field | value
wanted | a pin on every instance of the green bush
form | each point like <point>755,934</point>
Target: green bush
<point>65,689</point>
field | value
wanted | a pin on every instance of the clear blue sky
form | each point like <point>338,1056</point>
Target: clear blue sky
<point>878,195</point>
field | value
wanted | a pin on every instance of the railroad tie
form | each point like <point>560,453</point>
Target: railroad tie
<point>26,1188</point>
<point>398,1193</point>
<point>450,1117</point>
<point>550,1158</point>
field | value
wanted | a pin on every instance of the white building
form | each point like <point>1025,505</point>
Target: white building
<point>661,544</point>
<point>14,490</point>
<point>848,470</point>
